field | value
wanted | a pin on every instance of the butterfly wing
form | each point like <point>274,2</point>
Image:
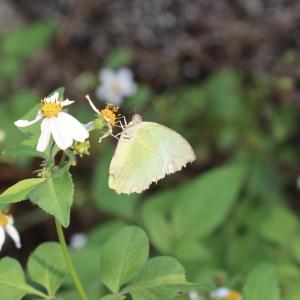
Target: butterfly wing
<point>152,152</point>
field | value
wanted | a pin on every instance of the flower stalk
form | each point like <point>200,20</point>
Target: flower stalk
<point>77,283</point>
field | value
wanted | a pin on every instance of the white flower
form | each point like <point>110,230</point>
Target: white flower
<point>78,241</point>
<point>225,293</point>
<point>115,85</point>
<point>193,295</point>
<point>60,125</point>
<point>6,226</point>
<point>2,135</point>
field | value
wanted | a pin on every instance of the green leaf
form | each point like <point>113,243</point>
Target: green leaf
<point>160,278</point>
<point>12,280</point>
<point>100,234</point>
<point>122,256</point>
<point>23,41</point>
<point>261,284</point>
<point>106,199</point>
<point>279,225</point>
<point>55,196</point>
<point>204,204</point>
<point>47,266</point>
<point>154,215</point>
<point>20,190</point>
<point>118,58</point>
<point>112,297</point>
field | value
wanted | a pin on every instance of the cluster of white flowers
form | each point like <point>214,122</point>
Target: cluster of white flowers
<point>115,85</point>
<point>7,226</point>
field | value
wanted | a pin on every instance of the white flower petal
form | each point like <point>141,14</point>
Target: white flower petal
<point>221,292</point>
<point>66,102</point>
<point>53,98</point>
<point>125,77</point>
<point>2,237</point>
<point>89,126</point>
<point>45,136</point>
<point>25,123</point>
<point>106,75</point>
<point>61,134</point>
<point>105,94</point>
<point>13,233</point>
<point>77,130</point>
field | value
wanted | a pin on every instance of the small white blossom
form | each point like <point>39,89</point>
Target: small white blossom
<point>224,293</point>
<point>6,226</point>
<point>64,128</point>
<point>2,135</point>
<point>115,85</point>
<point>193,295</point>
<point>78,241</point>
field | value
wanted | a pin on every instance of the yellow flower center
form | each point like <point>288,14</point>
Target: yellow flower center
<point>109,114</point>
<point>3,220</point>
<point>233,295</point>
<point>50,110</point>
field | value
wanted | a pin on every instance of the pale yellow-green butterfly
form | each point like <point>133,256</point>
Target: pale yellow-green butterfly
<point>146,152</point>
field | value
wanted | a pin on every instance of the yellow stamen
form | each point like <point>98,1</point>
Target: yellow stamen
<point>50,110</point>
<point>233,295</point>
<point>3,220</point>
<point>109,114</point>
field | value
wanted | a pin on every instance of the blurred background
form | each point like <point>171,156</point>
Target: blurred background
<point>224,74</point>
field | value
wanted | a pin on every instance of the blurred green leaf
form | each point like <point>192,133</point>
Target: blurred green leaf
<point>106,199</point>
<point>279,225</point>
<point>119,57</point>
<point>23,41</point>
<point>203,204</point>
<point>261,284</point>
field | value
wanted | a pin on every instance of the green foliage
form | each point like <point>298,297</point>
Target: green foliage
<point>12,280</point>
<point>262,284</point>
<point>122,256</point>
<point>55,196</point>
<point>124,261</point>
<point>194,210</point>
<point>119,57</point>
<point>47,267</point>
<point>106,199</point>
<point>20,190</point>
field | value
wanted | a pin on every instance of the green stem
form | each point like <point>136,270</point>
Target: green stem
<point>73,273</point>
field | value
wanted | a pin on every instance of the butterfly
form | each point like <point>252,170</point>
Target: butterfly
<point>146,152</point>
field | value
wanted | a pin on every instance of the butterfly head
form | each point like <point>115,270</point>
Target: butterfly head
<point>136,119</point>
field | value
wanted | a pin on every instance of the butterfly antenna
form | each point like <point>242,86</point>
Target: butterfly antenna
<point>92,104</point>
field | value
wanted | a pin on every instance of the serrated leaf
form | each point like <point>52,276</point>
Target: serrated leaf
<point>204,204</point>
<point>160,278</point>
<point>55,196</point>
<point>47,267</point>
<point>261,284</point>
<point>122,256</point>
<point>20,190</point>
<point>12,280</point>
